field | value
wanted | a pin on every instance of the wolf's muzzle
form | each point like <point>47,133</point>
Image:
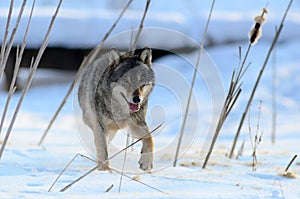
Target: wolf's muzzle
<point>136,99</point>
<point>135,106</point>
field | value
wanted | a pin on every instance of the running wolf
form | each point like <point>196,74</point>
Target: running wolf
<point>113,94</point>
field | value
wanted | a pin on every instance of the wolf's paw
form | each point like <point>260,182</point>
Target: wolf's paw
<point>146,161</point>
<point>103,166</point>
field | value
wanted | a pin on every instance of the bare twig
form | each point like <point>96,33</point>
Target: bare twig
<point>87,61</point>
<point>192,84</point>
<point>141,26</point>
<point>12,38</point>
<point>16,69</point>
<point>33,68</point>
<point>259,77</point>
<point>94,168</point>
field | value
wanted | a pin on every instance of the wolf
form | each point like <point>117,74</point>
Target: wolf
<point>113,94</point>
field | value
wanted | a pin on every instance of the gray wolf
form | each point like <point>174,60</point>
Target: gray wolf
<point>113,94</point>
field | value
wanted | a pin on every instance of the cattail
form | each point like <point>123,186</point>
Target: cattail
<point>256,31</point>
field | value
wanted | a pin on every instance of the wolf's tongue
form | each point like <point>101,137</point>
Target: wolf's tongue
<point>133,107</point>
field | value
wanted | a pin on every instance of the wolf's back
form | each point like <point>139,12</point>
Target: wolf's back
<point>89,80</point>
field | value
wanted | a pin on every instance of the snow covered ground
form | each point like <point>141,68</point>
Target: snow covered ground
<point>27,171</point>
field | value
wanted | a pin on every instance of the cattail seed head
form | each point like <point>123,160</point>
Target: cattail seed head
<point>254,35</point>
<point>256,32</point>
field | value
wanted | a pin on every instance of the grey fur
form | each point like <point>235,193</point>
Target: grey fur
<point>113,94</point>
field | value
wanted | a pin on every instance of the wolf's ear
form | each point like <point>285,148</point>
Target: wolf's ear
<point>146,56</point>
<point>114,56</point>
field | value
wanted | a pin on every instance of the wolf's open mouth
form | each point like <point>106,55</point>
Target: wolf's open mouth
<point>132,106</point>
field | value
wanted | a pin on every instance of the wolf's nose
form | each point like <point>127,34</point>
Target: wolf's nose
<point>136,99</point>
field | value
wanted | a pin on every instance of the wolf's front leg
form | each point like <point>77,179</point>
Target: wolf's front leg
<point>101,149</point>
<point>138,130</point>
<point>146,160</point>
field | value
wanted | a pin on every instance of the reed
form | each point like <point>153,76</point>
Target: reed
<point>275,39</point>
<point>192,85</point>
<point>33,67</point>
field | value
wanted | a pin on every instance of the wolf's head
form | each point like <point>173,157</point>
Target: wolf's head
<point>132,78</point>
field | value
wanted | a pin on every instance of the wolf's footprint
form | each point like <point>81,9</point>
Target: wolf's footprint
<point>146,161</point>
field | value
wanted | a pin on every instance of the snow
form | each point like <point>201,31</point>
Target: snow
<point>27,170</point>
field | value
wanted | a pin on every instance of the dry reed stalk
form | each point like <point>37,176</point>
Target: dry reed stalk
<point>275,39</point>
<point>241,150</point>
<point>109,188</point>
<point>12,87</point>
<point>257,138</point>
<point>9,96</point>
<point>235,84</point>
<point>232,96</point>
<point>12,38</point>
<point>33,68</point>
<point>290,163</point>
<point>111,157</point>
<point>123,164</point>
<point>93,169</point>
<point>140,26</point>
<point>87,61</point>
<point>3,47</point>
<point>289,174</point>
<point>274,97</point>
<point>65,168</point>
<point>254,35</point>
<point>192,85</point>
